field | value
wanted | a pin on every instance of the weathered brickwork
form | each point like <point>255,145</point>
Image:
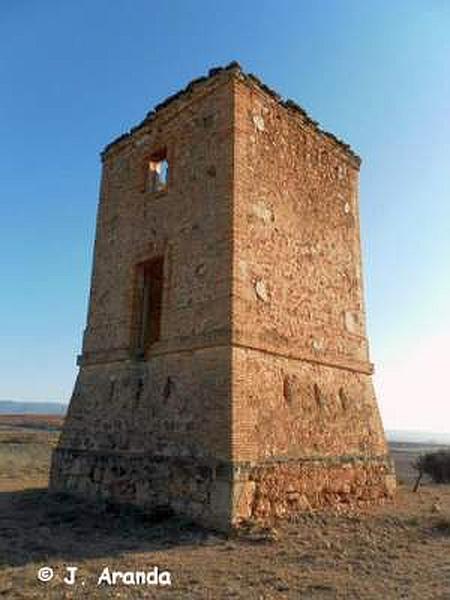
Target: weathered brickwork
<point>249,394</point>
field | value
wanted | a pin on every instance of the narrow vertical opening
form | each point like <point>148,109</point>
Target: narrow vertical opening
<point>157,172</point>
<point>148,304</point>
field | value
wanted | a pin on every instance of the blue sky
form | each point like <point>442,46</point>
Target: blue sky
<point>73,75</point>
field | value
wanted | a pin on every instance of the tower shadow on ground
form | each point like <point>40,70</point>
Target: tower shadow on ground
<point>36,526</point>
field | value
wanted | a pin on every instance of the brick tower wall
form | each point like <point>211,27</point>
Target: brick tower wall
<point>255,398</point>
<point>306,427</point>
<point>156,432</point>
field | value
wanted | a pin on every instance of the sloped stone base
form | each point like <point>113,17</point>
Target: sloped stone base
<point>279,489</point>
<point>200,491</point>
<point>218,494</point>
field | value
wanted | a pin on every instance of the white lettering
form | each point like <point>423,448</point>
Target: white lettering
<point>105,577</point>
<point>70,579</point>
<point>152,577</point>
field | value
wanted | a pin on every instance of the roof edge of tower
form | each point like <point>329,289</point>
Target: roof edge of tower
<point>236,68</point>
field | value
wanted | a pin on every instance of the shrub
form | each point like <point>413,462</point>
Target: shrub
<point>435,464</point>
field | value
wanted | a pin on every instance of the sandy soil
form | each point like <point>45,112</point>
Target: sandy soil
<point>398,550</point>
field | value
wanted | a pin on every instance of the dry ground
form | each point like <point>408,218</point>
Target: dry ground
<point>399,550</point>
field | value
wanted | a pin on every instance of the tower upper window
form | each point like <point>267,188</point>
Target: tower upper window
<point>157,172</point>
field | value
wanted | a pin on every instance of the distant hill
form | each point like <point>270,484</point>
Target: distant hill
<point>15,407</point>
<point>418,437</point>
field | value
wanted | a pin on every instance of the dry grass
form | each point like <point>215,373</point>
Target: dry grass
<point>39,422</point>
<point>399,550</point>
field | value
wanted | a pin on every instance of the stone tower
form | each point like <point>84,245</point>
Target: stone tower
<point>225,370</point>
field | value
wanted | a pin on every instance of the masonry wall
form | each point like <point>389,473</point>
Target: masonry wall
<point>156,432</point>
<point>189,225</point>
<point>257,399</point>
<point>305,420</point>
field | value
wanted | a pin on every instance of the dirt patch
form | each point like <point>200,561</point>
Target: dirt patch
<point>398,550</point>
